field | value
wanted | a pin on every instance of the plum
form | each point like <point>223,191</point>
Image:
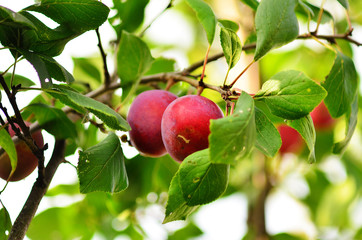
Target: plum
<point>27,161</point>
<point>185,125</point>
<point>144,117</point>
<point>322,120</point>
<point>292,141</point>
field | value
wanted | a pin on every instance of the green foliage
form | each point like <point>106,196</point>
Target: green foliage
<point>5,224</point>
<point>291,94</point>
<point>133,58</point>
<point>276,25</point>
<point>101,167</point>
<point>53,120</point>
<point>341,85</point>
<point>233,137</point>
<point>129,15</point>
<point>206,17</point>
<point>306,129</point>
<point>202,181</point>
<point>83,104</point>
<point>268,140</point>
<point>243,146</point>
<point>231,46</point>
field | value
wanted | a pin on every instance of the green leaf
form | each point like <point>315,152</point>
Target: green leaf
<point>312,12</point>
<point>251,3</point>
<point>341,85</point>
<point>77,16</point>
<point>80,102</point>
<point>229,24</point>
<point>101,167</point>
<point>129,15</point>
<point>344,3</point>
<point>47,68</point>
<point>161,65</point>
<point>18,79</point>
<point>8,145</point>
<point>276,25</point>
<point>291,94</point>
<point>202,181</point>
<point>206,17</point>
<point>176,208</point>
<point>191,230</point>
<point>14,19</point>
<point>88,70</point>
<point>268,139</point>
<point>53,120</point>
<point>306,129</point>
<point>133,58</point>
<point>5,224</point>
<point>233,137</point>
<point>351,123</point>
<point>231,46</point>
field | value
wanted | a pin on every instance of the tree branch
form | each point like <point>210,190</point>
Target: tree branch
<point>38,191</point>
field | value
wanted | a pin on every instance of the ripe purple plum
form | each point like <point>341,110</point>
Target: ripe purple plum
<point>27,161</point>
<point>322,120</point>
<point>185,125</point>
<point>144,117</point>
<point>292,141</point>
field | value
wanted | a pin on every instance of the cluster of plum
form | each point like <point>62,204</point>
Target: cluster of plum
<point>163,123</point>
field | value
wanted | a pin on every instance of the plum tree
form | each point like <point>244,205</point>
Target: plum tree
<point>322,120</point>
<point>144,117</point>
<point>27,161</point>
<point>186,125</point>
<point>292,142</point>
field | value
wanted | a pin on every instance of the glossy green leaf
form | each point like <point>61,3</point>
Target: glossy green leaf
<point>101,167</point>
<point>268,139</point>
<point>311,12</point>
<point>75,15</point>
<point>161,65</point>
<point>133,58</point>
<point>231,46</point>
<point>18,79</point>
<point>341,85</point>
<point>82,103</point>
<point>176,208</point>
<point>229,24</point>
<point>206,17</point>
<point>251,3</point>
<point>7,144</point>
<point>5,224</point>
<point>233,137</point>
<point>14,19</point>
<point>291,94</point>
<point>47,69</point>
<point>202,181</point>
<point>276,25</point>
<point>191,230</point>
<point>129,15</point>
<point>344,3</point>
<point>351,123</point>
<point>53,120</point>
<point>306,129</point>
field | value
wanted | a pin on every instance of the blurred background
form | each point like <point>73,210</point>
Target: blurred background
<point>304,201</point>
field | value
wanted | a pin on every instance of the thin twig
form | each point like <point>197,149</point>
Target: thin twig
<point>107,76</point>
